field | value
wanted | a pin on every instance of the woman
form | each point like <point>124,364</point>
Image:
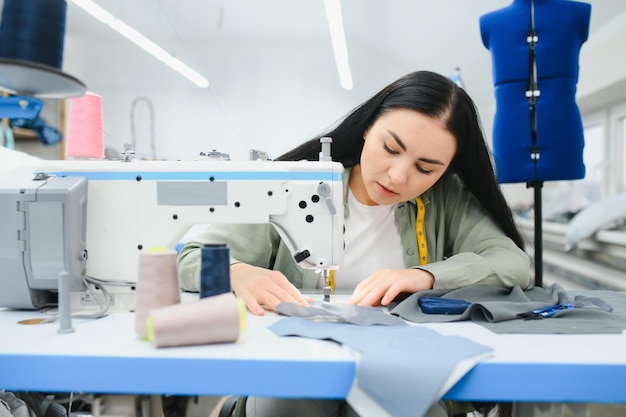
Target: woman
<point>418,137</point>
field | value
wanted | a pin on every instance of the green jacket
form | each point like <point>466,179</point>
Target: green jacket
<point>465,246</point>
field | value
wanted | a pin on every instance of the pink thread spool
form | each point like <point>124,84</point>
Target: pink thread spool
<point>85,135</point>
<point>216,319</point>
<point>157,284</point>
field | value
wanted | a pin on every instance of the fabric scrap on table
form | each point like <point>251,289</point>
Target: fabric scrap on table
<point>404,369</point>
<point>500,309</point>
<point>340,313</point>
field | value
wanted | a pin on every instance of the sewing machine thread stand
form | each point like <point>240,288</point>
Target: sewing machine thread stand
<point>65,307</point>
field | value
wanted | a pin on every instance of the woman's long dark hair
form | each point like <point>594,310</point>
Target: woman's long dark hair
<point>438,97</point>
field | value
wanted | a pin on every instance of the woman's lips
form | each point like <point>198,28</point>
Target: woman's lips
<point>386,192</point>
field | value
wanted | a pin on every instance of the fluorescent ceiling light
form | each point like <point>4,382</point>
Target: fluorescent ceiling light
<point>338,38</point>
<point>140,40</point>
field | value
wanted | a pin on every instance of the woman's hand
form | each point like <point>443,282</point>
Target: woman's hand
<point>260,287</point>
<point>384,285</point>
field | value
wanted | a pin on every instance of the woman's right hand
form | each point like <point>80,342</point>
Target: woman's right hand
<point>259,287</point>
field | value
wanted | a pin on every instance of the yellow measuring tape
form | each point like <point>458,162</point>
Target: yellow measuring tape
<point>331,279</point>
<point>422,248</point>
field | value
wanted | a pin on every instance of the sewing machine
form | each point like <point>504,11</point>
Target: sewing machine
<point>75,218</point>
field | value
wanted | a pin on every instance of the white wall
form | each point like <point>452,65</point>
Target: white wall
<point>233,115</point>
<point>602,78</point>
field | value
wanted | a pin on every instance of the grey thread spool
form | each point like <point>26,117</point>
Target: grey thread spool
<point>214,270</point>
<point>216,319</point>
<point>157,285</point>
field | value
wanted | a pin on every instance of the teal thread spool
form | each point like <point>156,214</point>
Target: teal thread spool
<point>214,270</point>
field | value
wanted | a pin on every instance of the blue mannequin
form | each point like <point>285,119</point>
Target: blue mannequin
<point>561,26</point>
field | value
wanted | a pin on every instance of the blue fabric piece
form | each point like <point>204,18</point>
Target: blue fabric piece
<point>402,368</point>
<point>47,134</point>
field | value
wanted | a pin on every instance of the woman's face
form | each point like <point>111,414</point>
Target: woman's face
<point>404,154</point>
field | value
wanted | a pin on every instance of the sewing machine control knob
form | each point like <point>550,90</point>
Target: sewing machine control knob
<point>323,190</point>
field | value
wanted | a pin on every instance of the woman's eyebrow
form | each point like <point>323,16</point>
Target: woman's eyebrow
<point>403,146</point>
<point>432,161</point>
<point>397,139</point>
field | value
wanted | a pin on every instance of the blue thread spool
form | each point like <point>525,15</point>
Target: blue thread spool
<point>33,30</point>
<point>214,270</point>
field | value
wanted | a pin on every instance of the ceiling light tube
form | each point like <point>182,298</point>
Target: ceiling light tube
<point>338,38</point>
<point>143,42</point>
<point>140,40</point>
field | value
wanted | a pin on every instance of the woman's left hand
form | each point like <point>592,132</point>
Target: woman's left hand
<point>384,285</point>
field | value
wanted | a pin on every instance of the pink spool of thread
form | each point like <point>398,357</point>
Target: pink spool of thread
<point>217,319</point>
<point>85,135</point>
<point>157,284</point>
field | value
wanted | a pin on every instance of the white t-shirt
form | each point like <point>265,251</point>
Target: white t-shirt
<point>372,242</point>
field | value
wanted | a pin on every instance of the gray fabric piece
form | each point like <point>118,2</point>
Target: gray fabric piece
<point>5,409</point>
<point>402,368</point>
<point>497,309</point>
<point>11,406</point>
<point>340,313</point>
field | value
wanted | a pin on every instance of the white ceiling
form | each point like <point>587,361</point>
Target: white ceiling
<point>439,35</point>
<point>416,34</point>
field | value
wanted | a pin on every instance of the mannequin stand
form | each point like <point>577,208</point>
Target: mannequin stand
<point>537,186</point>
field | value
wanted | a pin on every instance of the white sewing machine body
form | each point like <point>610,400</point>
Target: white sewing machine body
<point>95,217</point>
